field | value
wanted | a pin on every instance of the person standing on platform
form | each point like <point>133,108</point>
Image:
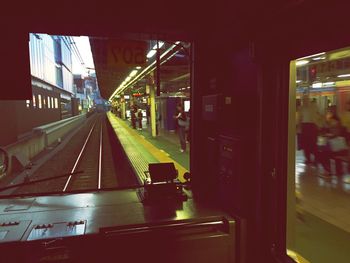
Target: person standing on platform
<point>148,113</point>
<point>188,127</point>
<point>336,146</point>
<point>181,126</point>
<point>139,119</point>
<point>133,111</point>
<point>309,116</point>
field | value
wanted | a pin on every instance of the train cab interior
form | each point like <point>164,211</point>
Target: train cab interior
<point>226,82</point>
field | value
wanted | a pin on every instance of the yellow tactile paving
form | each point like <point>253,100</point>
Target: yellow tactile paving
<point>296,257</point>
<point>158,154</point>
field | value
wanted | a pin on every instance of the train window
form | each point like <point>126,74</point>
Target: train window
<point>44,102</point>
<point>319,175</point>
<point>122,103</point>
<point>39,101</point>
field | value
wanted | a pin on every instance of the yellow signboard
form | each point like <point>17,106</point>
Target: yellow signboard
<point>342,83</point>
<point>122,53</point>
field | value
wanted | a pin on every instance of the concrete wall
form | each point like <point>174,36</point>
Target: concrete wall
<point>30,117</point>
<point>39,138</point>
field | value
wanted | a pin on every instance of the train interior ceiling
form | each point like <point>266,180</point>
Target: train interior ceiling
<point>191,140</point>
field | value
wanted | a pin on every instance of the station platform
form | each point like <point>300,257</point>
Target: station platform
<point>323,235</point>
<point>139,144</point>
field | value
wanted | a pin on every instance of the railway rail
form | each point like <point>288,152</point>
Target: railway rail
<point>92,162</point>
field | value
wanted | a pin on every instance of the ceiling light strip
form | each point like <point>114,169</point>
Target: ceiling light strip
<point>147,70</point>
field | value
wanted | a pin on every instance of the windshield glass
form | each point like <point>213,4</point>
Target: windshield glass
<point>101,110</point>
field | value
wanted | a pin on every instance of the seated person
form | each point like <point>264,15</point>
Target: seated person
<point>332,129</point>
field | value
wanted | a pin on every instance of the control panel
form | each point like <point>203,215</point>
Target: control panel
<point>55,230</point>
<point>229,168</point>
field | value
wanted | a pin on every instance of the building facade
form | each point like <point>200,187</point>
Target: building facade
<point>52,88</point>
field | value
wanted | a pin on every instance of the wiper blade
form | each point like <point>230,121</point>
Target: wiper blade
<point>40,180</point>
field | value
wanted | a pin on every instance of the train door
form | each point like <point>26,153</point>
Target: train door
<point>318,173</point>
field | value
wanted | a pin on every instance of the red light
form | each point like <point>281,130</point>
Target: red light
<point>313,73</point>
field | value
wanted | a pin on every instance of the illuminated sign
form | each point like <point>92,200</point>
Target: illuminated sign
<point>187,105</point>
<point>126,53</point>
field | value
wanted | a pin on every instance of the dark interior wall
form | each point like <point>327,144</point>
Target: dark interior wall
<point>8,124</point>
<point>233,73</point>
<point>15,69</point>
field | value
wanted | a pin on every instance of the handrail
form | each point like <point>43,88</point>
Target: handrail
<point>167,226</point>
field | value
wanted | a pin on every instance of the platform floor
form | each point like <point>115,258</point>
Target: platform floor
<point>167,141</point>
<point>162,148</point>
<point>324,236</point>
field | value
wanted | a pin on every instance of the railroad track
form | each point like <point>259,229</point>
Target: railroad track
<point>94,160</point>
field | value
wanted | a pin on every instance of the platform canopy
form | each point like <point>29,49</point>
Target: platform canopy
<point>124,65</point>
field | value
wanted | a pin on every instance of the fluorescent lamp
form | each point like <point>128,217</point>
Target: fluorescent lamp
<point>151,53</point>
<point>133,73</point>
<point>343,76</point>
<point>298,81</point>
<point>301,62</point>
<point>138,67</point>
<point>331,83</point>
<point>319,58</point>
<point>317,85</point>
<point>122,87</point>
<point>314,55</point>
<point>161,43</point>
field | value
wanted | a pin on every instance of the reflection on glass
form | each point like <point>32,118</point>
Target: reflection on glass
<point>39,101</point>
<point>34,101</point>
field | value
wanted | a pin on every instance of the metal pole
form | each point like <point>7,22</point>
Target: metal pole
<point>153,110</point>
<point>158,70</point>
<point>123,108</point>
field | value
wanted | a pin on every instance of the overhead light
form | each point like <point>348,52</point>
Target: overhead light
<point>160,43</point>
<point>124,85</point>
<point>301,62</point>
<point>318,58</point>
<point>138,67</point>
<point>151,53</point>
<point>298,81</point>
<point>343,76</point>
<point>133,73</point>
<point>331,83</point>
<point>314,55</point>
<point>317,85</point>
